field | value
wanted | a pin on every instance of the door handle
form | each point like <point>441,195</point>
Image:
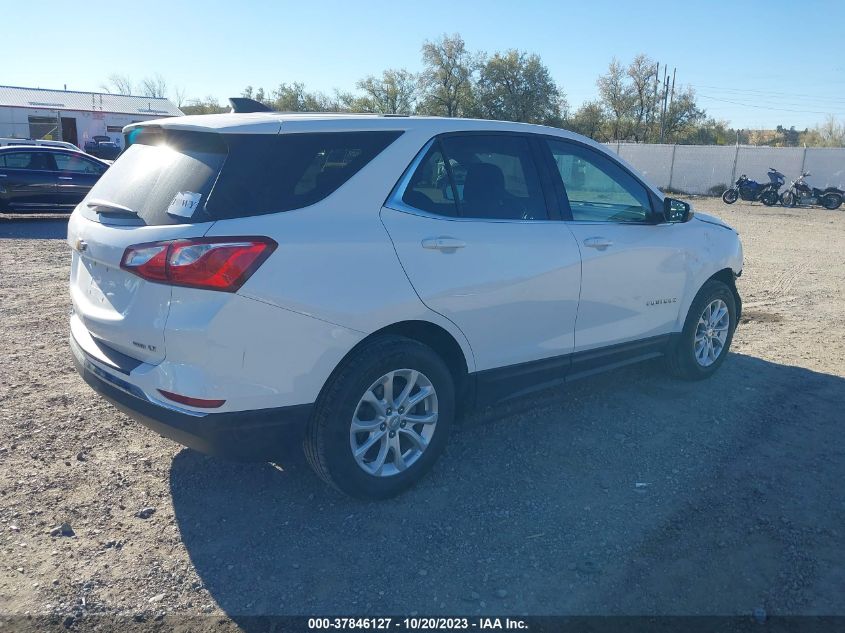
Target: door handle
<point>600,243</point>
<point>65,178</point>
<point>443,243</point>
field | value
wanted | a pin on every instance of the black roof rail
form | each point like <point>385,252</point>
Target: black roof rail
<point>243,104</point>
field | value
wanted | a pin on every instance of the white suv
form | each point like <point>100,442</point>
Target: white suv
<point>243,283</point>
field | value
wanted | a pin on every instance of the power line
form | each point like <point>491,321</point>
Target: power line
<point>770,93</point>
<point>759,107</point>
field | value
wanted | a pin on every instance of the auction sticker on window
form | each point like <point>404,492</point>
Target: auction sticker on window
<point>184,204</point>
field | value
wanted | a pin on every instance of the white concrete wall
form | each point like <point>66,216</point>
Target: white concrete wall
<point>15,122</point>
<point>696,169</point>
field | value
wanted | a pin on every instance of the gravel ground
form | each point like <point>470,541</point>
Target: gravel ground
<point>629,493</point>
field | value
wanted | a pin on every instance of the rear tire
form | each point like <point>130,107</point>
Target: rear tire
<point>831,201</point>
<point>769,198</point>
<point>730,196</point>
<point>684,360</point>
<point>357,397</point>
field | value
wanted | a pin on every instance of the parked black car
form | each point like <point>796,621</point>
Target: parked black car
<point>36,178</point>
<point>102,147</point>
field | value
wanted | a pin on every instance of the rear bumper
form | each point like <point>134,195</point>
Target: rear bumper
<point>261,435</point>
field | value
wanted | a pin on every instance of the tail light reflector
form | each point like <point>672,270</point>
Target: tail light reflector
<point>211,263</point>
<point>200,403</point>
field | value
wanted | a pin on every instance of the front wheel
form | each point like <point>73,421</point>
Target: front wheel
<point>708,331</point>
<point>730,196</point>
<point>382,419</point>
<point>788,199</point>
<point>769,198</point>
<point>831,201</point>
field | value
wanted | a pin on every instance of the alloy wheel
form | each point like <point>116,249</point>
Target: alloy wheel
<point>393,422</point>
<point>711,332</point>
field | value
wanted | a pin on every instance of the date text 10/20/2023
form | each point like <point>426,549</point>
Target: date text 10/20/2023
<point>417,623</point>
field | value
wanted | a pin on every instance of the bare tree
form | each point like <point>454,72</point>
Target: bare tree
<point>830,133</point>
<point>154,86</point>
<point>179,96</point>
<point>118,84</point>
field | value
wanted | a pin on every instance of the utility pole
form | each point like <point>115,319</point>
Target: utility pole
<point>663,105</point>
<point>653,109</point>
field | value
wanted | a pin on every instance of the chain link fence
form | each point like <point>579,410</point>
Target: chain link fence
<point>710,169</point>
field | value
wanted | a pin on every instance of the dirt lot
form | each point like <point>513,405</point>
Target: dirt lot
<point>630,493</point>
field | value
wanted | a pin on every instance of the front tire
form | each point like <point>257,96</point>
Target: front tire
<point>708,331</point>
<point>730,196</point>
<point>788,199</point>
<point>382,419</point>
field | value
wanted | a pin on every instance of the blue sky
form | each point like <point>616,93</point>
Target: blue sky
<point>739,57</point>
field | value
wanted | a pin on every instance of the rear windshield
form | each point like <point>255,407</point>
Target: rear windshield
<point>174,176</point>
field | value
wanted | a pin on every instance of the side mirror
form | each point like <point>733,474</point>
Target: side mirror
<point>676,211</point>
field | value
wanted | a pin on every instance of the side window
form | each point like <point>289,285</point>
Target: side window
<point>77,164</point>
<point>430,188</point>
<point>495,177</point>
<point>266,173</point>
<point>597,188</point>
<point>18,160</point>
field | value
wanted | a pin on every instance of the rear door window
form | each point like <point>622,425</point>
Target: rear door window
<point>495,177</point>
<point>430,188</point>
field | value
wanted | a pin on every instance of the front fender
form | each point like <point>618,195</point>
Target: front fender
<point>718,254</point>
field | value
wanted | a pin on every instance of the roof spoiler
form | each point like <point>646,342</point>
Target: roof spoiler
<point>242,104</point>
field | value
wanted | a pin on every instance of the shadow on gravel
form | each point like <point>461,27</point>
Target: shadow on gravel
<point>628,493</point>
<point>33,229</point>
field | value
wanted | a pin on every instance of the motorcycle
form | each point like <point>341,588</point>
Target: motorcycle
<point>751,190</point>
<point>800,192</point>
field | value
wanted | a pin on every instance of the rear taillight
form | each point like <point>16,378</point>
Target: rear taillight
<point>212,263</point>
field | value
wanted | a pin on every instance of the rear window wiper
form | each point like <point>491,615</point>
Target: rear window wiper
<point>105,207</point>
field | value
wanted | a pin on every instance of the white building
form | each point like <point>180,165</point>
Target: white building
<point>75,117</point>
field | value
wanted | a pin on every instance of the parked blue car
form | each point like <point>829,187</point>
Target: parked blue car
<point>38,178</point>
<point>102,147</point>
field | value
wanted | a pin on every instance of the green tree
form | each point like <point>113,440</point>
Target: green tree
<point>642,72</point>
<point>682,116</point>
<point>447,78</point>
<point>617,97</point>
<point>516,86</point>
<point>294,97</point>
<point>589,120</point>
<point>393,93</point>
<point>209,105</point>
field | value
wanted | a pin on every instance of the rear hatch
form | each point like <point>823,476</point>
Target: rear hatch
<point>155,191</point>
